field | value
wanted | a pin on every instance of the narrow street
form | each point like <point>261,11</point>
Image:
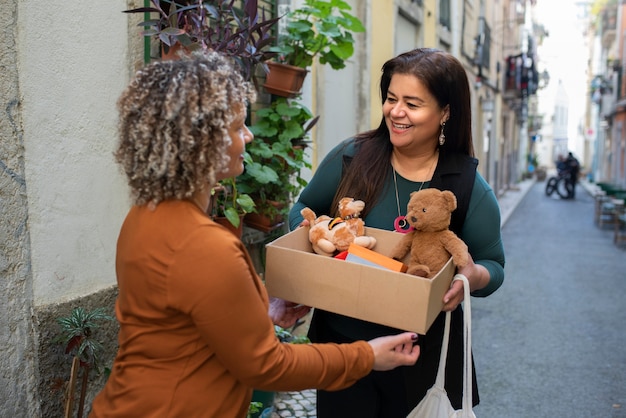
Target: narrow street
<point>551,342</point>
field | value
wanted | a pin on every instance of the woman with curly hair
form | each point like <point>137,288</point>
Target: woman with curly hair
<point>196,324</point>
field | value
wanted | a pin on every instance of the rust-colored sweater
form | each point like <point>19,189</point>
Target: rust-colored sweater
<point>195,336</point>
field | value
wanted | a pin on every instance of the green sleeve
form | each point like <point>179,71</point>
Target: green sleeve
<point>481,233</point>
<point>319,192</point>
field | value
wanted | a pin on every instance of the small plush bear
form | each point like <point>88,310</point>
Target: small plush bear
<point>329,235</point>
<point>430,241</point>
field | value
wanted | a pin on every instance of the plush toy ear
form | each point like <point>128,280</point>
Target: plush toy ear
<point>309,215</point>
<point>450,199</point>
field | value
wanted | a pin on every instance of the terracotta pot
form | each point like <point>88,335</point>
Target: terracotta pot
<point>284,80</point>
<point>265,223</point>
<point>173,52</point>
<point>237,231</point>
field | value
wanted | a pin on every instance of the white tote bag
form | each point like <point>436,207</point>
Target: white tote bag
<point>436,403</point>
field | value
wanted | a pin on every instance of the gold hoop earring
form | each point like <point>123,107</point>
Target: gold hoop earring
<point>442,136</point>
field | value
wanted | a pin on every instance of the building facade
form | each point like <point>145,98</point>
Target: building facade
<point>605,146</point>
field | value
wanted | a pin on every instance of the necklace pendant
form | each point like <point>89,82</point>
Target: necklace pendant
<point>401,225</point>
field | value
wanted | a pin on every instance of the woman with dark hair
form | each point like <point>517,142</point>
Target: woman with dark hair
<point>424,140</point>
<point>196,324</point>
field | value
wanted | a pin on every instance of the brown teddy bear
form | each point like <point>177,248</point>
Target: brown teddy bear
<point>329,235</point>
<point>430,240</point>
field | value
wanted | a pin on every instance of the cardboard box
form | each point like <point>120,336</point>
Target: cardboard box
<point>294,272</point>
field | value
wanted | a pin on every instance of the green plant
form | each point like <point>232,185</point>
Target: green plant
<point>77,335</point>
<point>287,336</point>
<point>276,157</point>
<point>213,24</point>
<point>318,29</point>
<point>254,408</point>
<point>229,202</point>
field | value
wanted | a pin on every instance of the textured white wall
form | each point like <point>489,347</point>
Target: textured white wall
<point>340,95</point>
<point>73,64</point>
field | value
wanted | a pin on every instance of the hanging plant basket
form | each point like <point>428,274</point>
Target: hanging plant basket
<point>284,80</point>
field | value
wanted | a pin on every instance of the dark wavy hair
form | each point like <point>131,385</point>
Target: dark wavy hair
<point>173,125</point>
<point>445,78</point>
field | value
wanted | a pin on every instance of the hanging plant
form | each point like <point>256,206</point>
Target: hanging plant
<point>241,33</point>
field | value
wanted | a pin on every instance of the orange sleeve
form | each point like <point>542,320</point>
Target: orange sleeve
<point>227,301</point>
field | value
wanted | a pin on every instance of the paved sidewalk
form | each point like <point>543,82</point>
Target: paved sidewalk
<point>295,404</point>
<point>509,200</point>
<point>302,404</point>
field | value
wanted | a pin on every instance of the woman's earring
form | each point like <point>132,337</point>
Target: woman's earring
<point>442,136</point>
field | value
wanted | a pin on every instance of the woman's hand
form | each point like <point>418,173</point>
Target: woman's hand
<point>284,313</point>
<point>477,276</point>
<point>395,350</point>
<point>453,296</point>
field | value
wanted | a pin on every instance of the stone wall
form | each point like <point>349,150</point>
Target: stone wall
<point>17,364</point>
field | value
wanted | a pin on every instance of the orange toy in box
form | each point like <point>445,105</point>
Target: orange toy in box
<point>330,235</point>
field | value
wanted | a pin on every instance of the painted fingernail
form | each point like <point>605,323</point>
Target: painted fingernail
<point>414,337</point>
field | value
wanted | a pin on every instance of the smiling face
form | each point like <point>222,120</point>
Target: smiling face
<point>240,135</point>
<point>412,115</point>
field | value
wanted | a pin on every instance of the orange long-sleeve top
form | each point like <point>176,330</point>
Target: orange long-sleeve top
<point>195,336</point>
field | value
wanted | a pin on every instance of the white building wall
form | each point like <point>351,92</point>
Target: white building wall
<point>340,100</point>
<point>73,64</point>
<point>561,122</point>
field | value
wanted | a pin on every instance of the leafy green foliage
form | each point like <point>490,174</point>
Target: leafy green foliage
<point>254,408</point>
<point>319,28</point>
<point>77,335</point>
<point>286,336</point>
<point>288,119</point>
<point>275,158</point>
<point>229,202</point>
<point>240,33</point>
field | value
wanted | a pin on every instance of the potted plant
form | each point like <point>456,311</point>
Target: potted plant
<point>217,25</point>
<point>275,159</point>
<point>78,338</point>
<point>228,206</point>
<point>242,33</point>
<point>319,28</point>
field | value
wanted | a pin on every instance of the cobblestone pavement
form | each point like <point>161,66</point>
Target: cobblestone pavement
<point>295,404</point>
<point>302,404</point>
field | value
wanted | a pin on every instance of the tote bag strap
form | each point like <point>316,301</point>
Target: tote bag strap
<point>441,372</point>
<point>467,347</point>
<point>467,343</point>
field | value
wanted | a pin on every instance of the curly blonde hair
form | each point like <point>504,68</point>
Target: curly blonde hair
<point>174,121</point>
